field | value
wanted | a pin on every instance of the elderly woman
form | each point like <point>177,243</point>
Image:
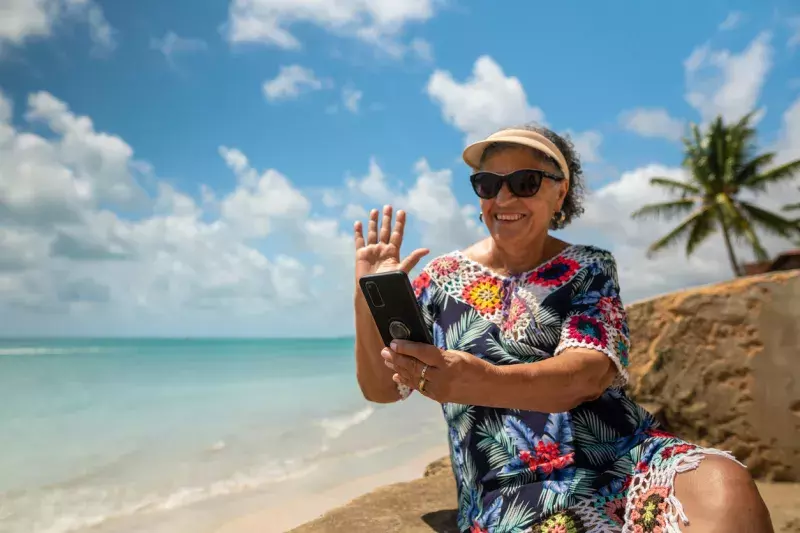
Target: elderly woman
<point>529,363</point>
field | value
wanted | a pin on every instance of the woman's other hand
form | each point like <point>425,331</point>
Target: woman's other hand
<point>380,251</point>
<point>450,376</point>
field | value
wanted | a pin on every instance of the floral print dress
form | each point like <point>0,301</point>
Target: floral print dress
<point>604,466</point>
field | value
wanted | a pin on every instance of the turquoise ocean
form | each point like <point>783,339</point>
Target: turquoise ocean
<point>157,435</point>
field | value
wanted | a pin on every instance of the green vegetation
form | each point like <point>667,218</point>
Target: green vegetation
<point>723,163</point>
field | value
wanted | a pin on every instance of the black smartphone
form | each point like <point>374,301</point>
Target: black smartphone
<point>394,307</point>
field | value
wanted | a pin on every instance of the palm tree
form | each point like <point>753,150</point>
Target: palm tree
<point>792,207</point>
<point>722,163</point>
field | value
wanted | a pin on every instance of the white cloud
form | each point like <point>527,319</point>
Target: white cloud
<point>485,102</point>
<point>788,144</point>
<point>260,201</point>
<point>290,83</point>
<point>351,99</point>
<point>378,22</point>
<point>652,122</point>
<point>430,202</point>
<point>719,82</point>
<point>731,21</point>
<point>165,272</point>
<point>24,20</point>
<point>422,48</point>
<point>172,45</point>
<point>794,39</point>
<point>587,144</point>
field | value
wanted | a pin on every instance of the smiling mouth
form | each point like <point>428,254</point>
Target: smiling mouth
<point>508,217</point>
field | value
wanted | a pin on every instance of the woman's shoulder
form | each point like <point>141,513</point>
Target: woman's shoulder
<point>590,254</point>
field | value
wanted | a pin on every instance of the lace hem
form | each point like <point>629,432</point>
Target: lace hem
<point>647,505</point>
<point>621,379</point>
<point>659,482</point>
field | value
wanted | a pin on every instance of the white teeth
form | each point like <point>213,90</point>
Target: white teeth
<point>508,217</point>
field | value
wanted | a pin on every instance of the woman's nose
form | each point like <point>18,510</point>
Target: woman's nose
<point>504,195</point>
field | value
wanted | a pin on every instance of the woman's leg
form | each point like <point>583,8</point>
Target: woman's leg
<point>720,496</point>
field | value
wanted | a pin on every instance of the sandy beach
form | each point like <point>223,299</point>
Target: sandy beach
<point>296,512</point>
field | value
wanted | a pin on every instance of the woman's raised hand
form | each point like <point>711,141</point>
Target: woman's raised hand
<point>380,251</point>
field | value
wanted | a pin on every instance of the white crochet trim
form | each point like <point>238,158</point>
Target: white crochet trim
<point>454,272</point>
<point>665,477</point>
<point>610,350</point>
<point>656,476</point>
<point>404,390</point>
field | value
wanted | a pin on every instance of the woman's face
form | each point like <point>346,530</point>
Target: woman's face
<point>514,220</point>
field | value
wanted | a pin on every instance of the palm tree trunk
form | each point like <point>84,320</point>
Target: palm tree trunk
<point>729,247</point>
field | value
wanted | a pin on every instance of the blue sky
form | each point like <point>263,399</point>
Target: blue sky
<point>350,104</point>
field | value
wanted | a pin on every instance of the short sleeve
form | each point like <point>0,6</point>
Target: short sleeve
<point>423,291</point>
<point>596,318</point>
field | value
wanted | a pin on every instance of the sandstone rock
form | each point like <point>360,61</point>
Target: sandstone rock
<point>720,365</point>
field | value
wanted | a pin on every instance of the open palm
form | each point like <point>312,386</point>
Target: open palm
<point>380,251</point>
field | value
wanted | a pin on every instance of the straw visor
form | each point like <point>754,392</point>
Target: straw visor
<point>531,139</point>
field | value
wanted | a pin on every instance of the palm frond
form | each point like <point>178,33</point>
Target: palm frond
<point>768,221</point>
<point>460,417</point>
<point>683,229</point>
<point>666,209</point>
<point>776,175</point>
<point>495,442</point>
<point>751,168</point>
<point>673,185</point>
<point>517,516</point>
<point>463,334</point>
<point>742,227</point>
<point>702,228</point>
<point>594,437</point>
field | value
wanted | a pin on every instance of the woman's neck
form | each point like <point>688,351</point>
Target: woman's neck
<point>517,259</point>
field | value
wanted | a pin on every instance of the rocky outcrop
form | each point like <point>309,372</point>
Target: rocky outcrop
<point>720,365</point>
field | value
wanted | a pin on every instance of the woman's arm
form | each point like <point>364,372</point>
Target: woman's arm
<point>554,385</point>
<point>374,379</point>
<point>378,252</point>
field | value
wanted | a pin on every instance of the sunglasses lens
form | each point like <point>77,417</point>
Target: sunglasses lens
<point>486,185</point>
<point>525,183</point>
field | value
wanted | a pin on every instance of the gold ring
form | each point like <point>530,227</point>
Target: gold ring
<point>421,384</point>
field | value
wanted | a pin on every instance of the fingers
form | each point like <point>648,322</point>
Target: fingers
<point>427,353</point>
<point>358,230</point>
<point>399,228</point>
<point>372,233</point>
<point>386,224</point>
<point>402,363</point>
<point>408,264</point>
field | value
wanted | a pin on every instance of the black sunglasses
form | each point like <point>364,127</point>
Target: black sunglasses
<point>524,183</point>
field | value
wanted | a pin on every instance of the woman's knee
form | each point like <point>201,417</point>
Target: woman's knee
<point>720,495</point>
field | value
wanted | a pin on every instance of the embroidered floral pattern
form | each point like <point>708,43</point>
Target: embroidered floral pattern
<point>557,272</point>
<point>484,294</point>
<point>602,466</point>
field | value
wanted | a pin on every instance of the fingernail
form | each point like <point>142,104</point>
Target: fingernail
<point>393,346</point>
<point>385,353</point>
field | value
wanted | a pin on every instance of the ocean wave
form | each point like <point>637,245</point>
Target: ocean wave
<point>65,511</point>
<point>49,350</point>
<point>335,427</point>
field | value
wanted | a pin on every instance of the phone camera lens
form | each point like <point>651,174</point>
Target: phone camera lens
<point>374,294</point>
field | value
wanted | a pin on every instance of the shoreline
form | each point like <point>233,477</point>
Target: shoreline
<point>308,507</point>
